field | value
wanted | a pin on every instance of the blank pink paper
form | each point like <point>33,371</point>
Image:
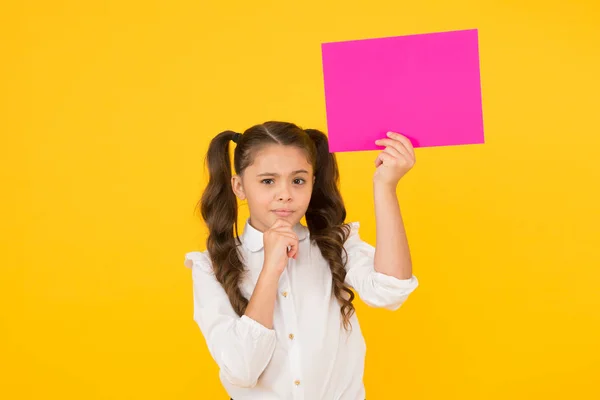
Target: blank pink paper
<point>425,86</point>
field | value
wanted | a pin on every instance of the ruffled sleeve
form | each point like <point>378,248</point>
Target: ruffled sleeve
<point>374,288</point>
<point>240,346</point>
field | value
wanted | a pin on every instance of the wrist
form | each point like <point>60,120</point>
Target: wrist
<point>382,186</point>
<point>269,275</point>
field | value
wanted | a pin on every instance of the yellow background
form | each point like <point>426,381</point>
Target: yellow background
<point>107,110</point>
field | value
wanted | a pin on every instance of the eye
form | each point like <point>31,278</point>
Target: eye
<point>267,180</point>
<point>300,179</point>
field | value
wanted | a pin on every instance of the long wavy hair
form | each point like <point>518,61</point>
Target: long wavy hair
<point>325,215</point>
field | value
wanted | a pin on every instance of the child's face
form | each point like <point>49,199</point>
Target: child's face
<point>280,178</point>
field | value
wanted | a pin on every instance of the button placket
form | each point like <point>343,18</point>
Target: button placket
<point>290,324</point>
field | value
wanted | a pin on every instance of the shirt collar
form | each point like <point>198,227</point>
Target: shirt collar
<point>253,238</point>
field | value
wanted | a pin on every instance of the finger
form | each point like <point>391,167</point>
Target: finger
<point>287,229</point>
<point>291,235</point>
<point>404,140</point>
<point>291,249</point>
<point>403,160</point>
<point>396,153</point>
<point>397,145</point>
<point>282,232</point>
<point>288,236</point>
<point>279,223</point>
<point>291,244</point>
<point>388,160</point>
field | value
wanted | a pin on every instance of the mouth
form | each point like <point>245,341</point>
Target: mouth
<point>283,212</point>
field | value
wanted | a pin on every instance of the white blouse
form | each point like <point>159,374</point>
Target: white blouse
<point>308,355</point>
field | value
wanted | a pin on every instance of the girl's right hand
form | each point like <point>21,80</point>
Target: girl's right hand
<point>277,240</point>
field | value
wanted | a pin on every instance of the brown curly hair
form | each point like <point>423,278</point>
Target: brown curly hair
<point>325,215</point>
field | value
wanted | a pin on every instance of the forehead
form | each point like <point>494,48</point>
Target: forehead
<point>280,159</point>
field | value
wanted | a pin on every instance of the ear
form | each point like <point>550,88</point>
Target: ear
<point>238,187</point>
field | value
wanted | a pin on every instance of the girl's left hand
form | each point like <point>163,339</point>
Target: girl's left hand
<point>395,160</point>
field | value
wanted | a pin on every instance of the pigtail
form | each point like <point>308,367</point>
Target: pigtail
<point>219,210</point>
<point>326,207</point>
<point>325,218</point>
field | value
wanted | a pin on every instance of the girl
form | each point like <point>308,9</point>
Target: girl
<point>275,304</point>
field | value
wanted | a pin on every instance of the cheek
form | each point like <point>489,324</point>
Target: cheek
<point>261,197</point>
<point>305,194</point>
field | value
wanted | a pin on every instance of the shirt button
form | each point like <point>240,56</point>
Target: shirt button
<point>291,336</point>
<point>297,383</point>
<point>284,294</point>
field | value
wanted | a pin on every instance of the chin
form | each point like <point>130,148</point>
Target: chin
<point>293,217</point>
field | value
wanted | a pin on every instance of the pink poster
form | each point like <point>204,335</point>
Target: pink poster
<point>426,87</point>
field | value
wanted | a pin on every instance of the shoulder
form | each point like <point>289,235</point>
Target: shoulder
<point>348,231</point>
<point>198,260</point>
<point>354,226</point>
<point>354,242</point>
<point>352,229</point>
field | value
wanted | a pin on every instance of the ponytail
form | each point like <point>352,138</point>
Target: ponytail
<point>218,207</point>
<point>325,218</point>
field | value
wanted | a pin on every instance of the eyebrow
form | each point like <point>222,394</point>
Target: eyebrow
<point>300,171</point>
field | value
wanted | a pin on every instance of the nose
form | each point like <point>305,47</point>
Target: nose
<point>284,194</point>
<point>284,197</point>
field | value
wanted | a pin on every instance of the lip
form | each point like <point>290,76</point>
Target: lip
<point>283,212</point>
